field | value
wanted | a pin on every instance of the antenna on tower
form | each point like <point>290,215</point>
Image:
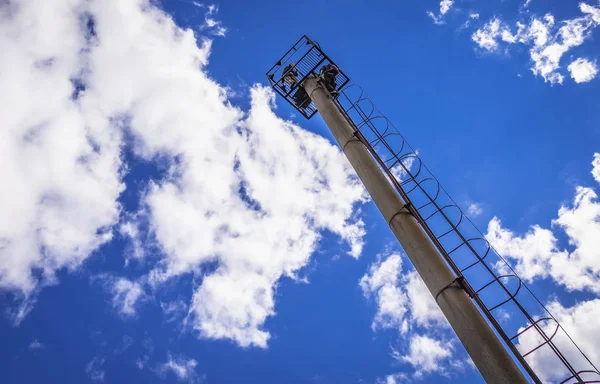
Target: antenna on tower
<point>474,286</point>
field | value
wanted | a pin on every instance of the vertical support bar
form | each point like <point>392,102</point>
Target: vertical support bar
<point>487,352</point>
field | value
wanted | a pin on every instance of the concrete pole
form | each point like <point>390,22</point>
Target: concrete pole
<point>480,341</point>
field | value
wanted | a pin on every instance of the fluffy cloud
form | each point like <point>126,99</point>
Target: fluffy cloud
<point>488,36</point>
<point>547,43</point>
<point>404,303</point>
<point>59,155</point>
<point>258,189</point>
<point>537,253</point>
<point>402,297</point>
<point>392,302</point>
<point>532,251</point>
<point>426,353</point>
<point>445,6</point>
<point>423,308</point>
<point>596,167</point>
<point>260,200</point>
<point>583,70</point>
<point>246,196</point>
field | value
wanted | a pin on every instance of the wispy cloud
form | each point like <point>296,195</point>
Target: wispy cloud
<point>183,368</point>
<point>525,5</point>
<point>211,25</point>
<point>126,343</point>
<point>445,6</point>
<point>126,294</point>
<point>36,345</point>
<point>174,310</point>
<point>547,41</point>
<point>94,369</point>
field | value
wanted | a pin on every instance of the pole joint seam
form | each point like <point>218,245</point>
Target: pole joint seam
<point>315,88</point>
<point>405,209</point>
<point>458,283</point>
<point>349,141</point>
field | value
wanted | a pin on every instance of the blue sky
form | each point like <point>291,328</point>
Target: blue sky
<point>167,219</point>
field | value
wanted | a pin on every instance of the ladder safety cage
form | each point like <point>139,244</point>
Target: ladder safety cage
<point>488,278</point>
<point>306,58</point>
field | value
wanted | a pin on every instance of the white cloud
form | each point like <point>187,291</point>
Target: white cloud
<point>402,298</point>
<point>583,70</point>
<point>260,201</point>
<point>525,5</point>
<point>427,355</point>
<point>423,308</point>
<point>580,322</point>
<point>445,6</point>
<point>259,190</point>
<point>183,368</point>
<point>547,45</point>
<point>487,37</point>
<point>473,16</point>
<point>474,210</point>
<point>532,251</point>
<point>394,379</point>
<point>215,26</point>
<point>94,369</point>
<point>382,273</point>
<point>537,253</point>
<point>382,281</point>
<point>126,295</point>
<point>36,345</point>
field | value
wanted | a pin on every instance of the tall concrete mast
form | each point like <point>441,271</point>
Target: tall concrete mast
<point>457,272</point>
<point>486,350</point>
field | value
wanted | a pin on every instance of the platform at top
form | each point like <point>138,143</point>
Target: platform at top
<point>308,59</point>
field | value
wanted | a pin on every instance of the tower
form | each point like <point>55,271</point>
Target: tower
<point>452,257</point>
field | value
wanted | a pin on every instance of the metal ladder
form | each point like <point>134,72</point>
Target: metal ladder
<point>465,249</point>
